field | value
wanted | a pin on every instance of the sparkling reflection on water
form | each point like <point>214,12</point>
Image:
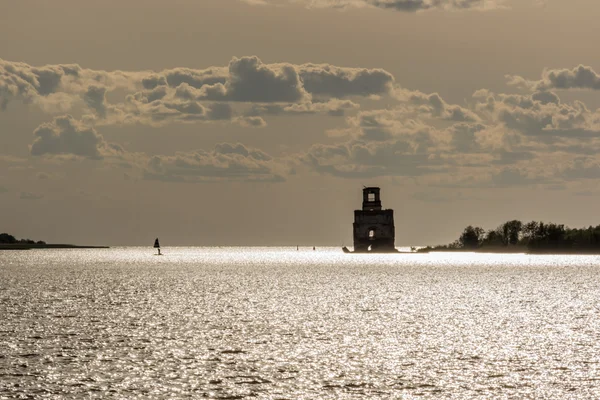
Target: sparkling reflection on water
<point>275,323</point>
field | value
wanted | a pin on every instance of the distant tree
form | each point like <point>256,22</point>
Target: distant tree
<point>529,230</point>
<point>510,232</point>
<point>513,229</point>
<point>6,238</point>
<point>471,237</point>
<point>553,236</point>
<point>493,238</point>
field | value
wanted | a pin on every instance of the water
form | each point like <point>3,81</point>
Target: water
<point>274,323</point>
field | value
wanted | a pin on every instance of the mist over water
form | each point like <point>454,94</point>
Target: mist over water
<point>276,323</point>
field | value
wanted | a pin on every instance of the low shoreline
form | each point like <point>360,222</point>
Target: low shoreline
<point>25,246</point>
<point>500,250</point>
<point>486,250</point>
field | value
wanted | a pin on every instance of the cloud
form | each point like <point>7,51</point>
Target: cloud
<point>43,176</point>
<point>252,122</point>
<point>226,162</point>
<point>580,77</point>
<point>192,95</point>
<point>512,176</point>
<point>541,114</point>
<point>582,168</point>
<point>433,105</point>
<point>357,159</point>
<point>545,97</point>
<point>396,5</point>
<point>156,107</point>
<point>331,81</point>
<point>30,196</point>
<point>509,141</point>
<point>421,5</point>
<point>494,139</point>
<point>439,196</point>
<point>439,166</point>
<point>67,136</point>
<point>169,110</point>
<point>95,98</point>
<point>20,80</point>
<point>193,77</point>
<point>250,80</point>
<point>421,155</point>
<point>464,137</point>
<point>53,86</point>
<point>383,143</point>
<point>378,125</point>
<point>332,107</point>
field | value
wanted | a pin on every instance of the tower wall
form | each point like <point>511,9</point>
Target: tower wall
<point>373,228</point>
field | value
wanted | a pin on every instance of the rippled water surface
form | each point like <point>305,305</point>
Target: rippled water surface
<point>274,323</point>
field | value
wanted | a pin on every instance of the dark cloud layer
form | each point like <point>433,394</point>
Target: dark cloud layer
<point>193,95</point>
<point>396,5</point>
<point>506,140</point>
<point>495,139</point>
<point>419,5</point>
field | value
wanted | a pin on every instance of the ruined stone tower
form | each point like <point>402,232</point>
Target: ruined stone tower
<point>373,227</point>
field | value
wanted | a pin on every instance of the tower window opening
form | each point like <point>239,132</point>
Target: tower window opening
<point>372,234</point>
<point>371,197</point>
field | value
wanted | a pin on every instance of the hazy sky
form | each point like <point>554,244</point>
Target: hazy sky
<point>257,122</point>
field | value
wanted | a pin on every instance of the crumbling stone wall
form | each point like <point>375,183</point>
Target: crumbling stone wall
<point>374,229</point>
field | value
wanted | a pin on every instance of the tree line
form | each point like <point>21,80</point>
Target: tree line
<point>532,236</point>
<point>5,238</point>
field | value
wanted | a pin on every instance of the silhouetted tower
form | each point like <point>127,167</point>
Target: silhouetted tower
<point>371,199</point>
<point>374,228</point>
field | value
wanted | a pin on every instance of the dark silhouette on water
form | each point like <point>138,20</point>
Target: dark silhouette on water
<point>373,228</point>
<point>157,246</point>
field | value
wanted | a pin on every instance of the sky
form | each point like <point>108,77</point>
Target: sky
<point>258,122</point>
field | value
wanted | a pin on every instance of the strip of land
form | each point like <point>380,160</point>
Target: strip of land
<point>20,246</point>
<point>9,242</point>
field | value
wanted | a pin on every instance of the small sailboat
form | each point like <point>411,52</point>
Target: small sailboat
<point>157,246</point>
